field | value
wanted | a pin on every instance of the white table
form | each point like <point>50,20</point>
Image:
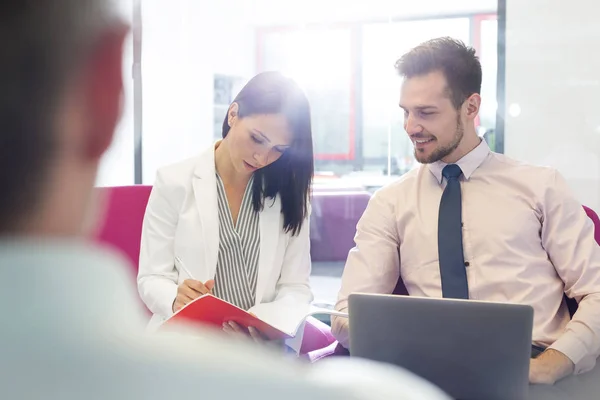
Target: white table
<point>579,387</point>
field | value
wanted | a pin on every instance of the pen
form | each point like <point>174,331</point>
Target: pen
<point>182,266</point>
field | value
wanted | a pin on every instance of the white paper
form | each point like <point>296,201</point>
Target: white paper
<point>288,318</point>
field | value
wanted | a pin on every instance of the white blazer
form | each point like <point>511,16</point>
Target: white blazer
<point>182,221</point>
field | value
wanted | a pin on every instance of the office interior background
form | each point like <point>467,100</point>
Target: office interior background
<point>186,60</point>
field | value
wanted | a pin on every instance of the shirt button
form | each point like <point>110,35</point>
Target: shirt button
<point>467,264</point>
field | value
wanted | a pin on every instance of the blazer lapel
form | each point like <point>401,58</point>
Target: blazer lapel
<point>205,194</point>
<point>270,227</point>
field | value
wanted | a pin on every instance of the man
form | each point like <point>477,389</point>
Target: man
<point>522,237</point>
<point>70,312</point>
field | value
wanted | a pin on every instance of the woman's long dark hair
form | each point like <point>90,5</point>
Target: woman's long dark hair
<point>291,175</point>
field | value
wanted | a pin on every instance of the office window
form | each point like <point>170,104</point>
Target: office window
<point>320,60</point>
<point>347,70</point>
<point>385,143</point>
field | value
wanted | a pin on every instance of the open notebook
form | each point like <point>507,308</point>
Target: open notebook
<point>276,321</point>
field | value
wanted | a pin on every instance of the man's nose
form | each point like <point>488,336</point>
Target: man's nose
<point>411,126</point>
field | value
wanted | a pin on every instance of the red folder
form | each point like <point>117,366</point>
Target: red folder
<point>210,310</point>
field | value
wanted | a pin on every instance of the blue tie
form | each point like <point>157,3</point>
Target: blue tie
<point>450,245</point>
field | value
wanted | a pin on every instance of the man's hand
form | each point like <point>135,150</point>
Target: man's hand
<point>549,367</point>
<point>190,290</point>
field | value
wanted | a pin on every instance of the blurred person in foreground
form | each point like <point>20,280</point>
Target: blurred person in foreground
<point>72,325</point>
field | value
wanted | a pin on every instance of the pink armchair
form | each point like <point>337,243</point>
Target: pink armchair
<point>122,225</point>
<point>122,229</point>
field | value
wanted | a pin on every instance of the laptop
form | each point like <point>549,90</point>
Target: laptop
<point>470,349</point>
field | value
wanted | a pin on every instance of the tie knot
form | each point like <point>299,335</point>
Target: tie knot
<point>451,171</point>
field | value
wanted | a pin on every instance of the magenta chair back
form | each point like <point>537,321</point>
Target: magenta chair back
<point>594,217</point>
<point>122,225</point>
<point>124,215</point>
<point>122,230</point>
<point>335,349</point>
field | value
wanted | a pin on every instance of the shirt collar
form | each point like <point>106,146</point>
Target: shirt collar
<point>468,164</point>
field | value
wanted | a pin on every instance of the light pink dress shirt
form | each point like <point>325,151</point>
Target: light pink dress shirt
<point>526,240</point>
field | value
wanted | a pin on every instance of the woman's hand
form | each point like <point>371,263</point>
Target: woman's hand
<point>190,290</point>
<point>234,329</point>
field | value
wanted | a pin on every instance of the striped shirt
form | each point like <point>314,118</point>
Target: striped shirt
<point>239,248</point>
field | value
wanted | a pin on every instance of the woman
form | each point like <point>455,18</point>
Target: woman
<point>233,221</point>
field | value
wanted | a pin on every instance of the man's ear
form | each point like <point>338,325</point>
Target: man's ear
<point>472,106</point>
<point>103,85</point>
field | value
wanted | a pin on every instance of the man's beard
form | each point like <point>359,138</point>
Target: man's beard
<point>444,151</point>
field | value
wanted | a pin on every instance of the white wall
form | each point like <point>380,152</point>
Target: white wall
<point>185,42</point>
<point>553,89</point>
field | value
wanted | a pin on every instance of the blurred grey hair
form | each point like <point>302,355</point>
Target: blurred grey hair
<point>63,29</point>
<point>42,44</point>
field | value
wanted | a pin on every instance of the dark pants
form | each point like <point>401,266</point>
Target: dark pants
<point>536,350</point>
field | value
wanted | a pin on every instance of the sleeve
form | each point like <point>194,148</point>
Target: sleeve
<point>568,237</point>
<point>373,265</point>
<point>157,275</point>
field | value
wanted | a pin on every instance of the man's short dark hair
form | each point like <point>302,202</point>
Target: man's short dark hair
<point>453,58</point>
<point>41,46</point>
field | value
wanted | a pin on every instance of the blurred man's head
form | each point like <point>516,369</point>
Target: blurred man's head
<point>61,87</point>
<point>440,99</point>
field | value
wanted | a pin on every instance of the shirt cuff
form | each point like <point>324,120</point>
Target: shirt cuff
<point>167,292</point>
<point>571,346</point>
<point>340,326</point>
